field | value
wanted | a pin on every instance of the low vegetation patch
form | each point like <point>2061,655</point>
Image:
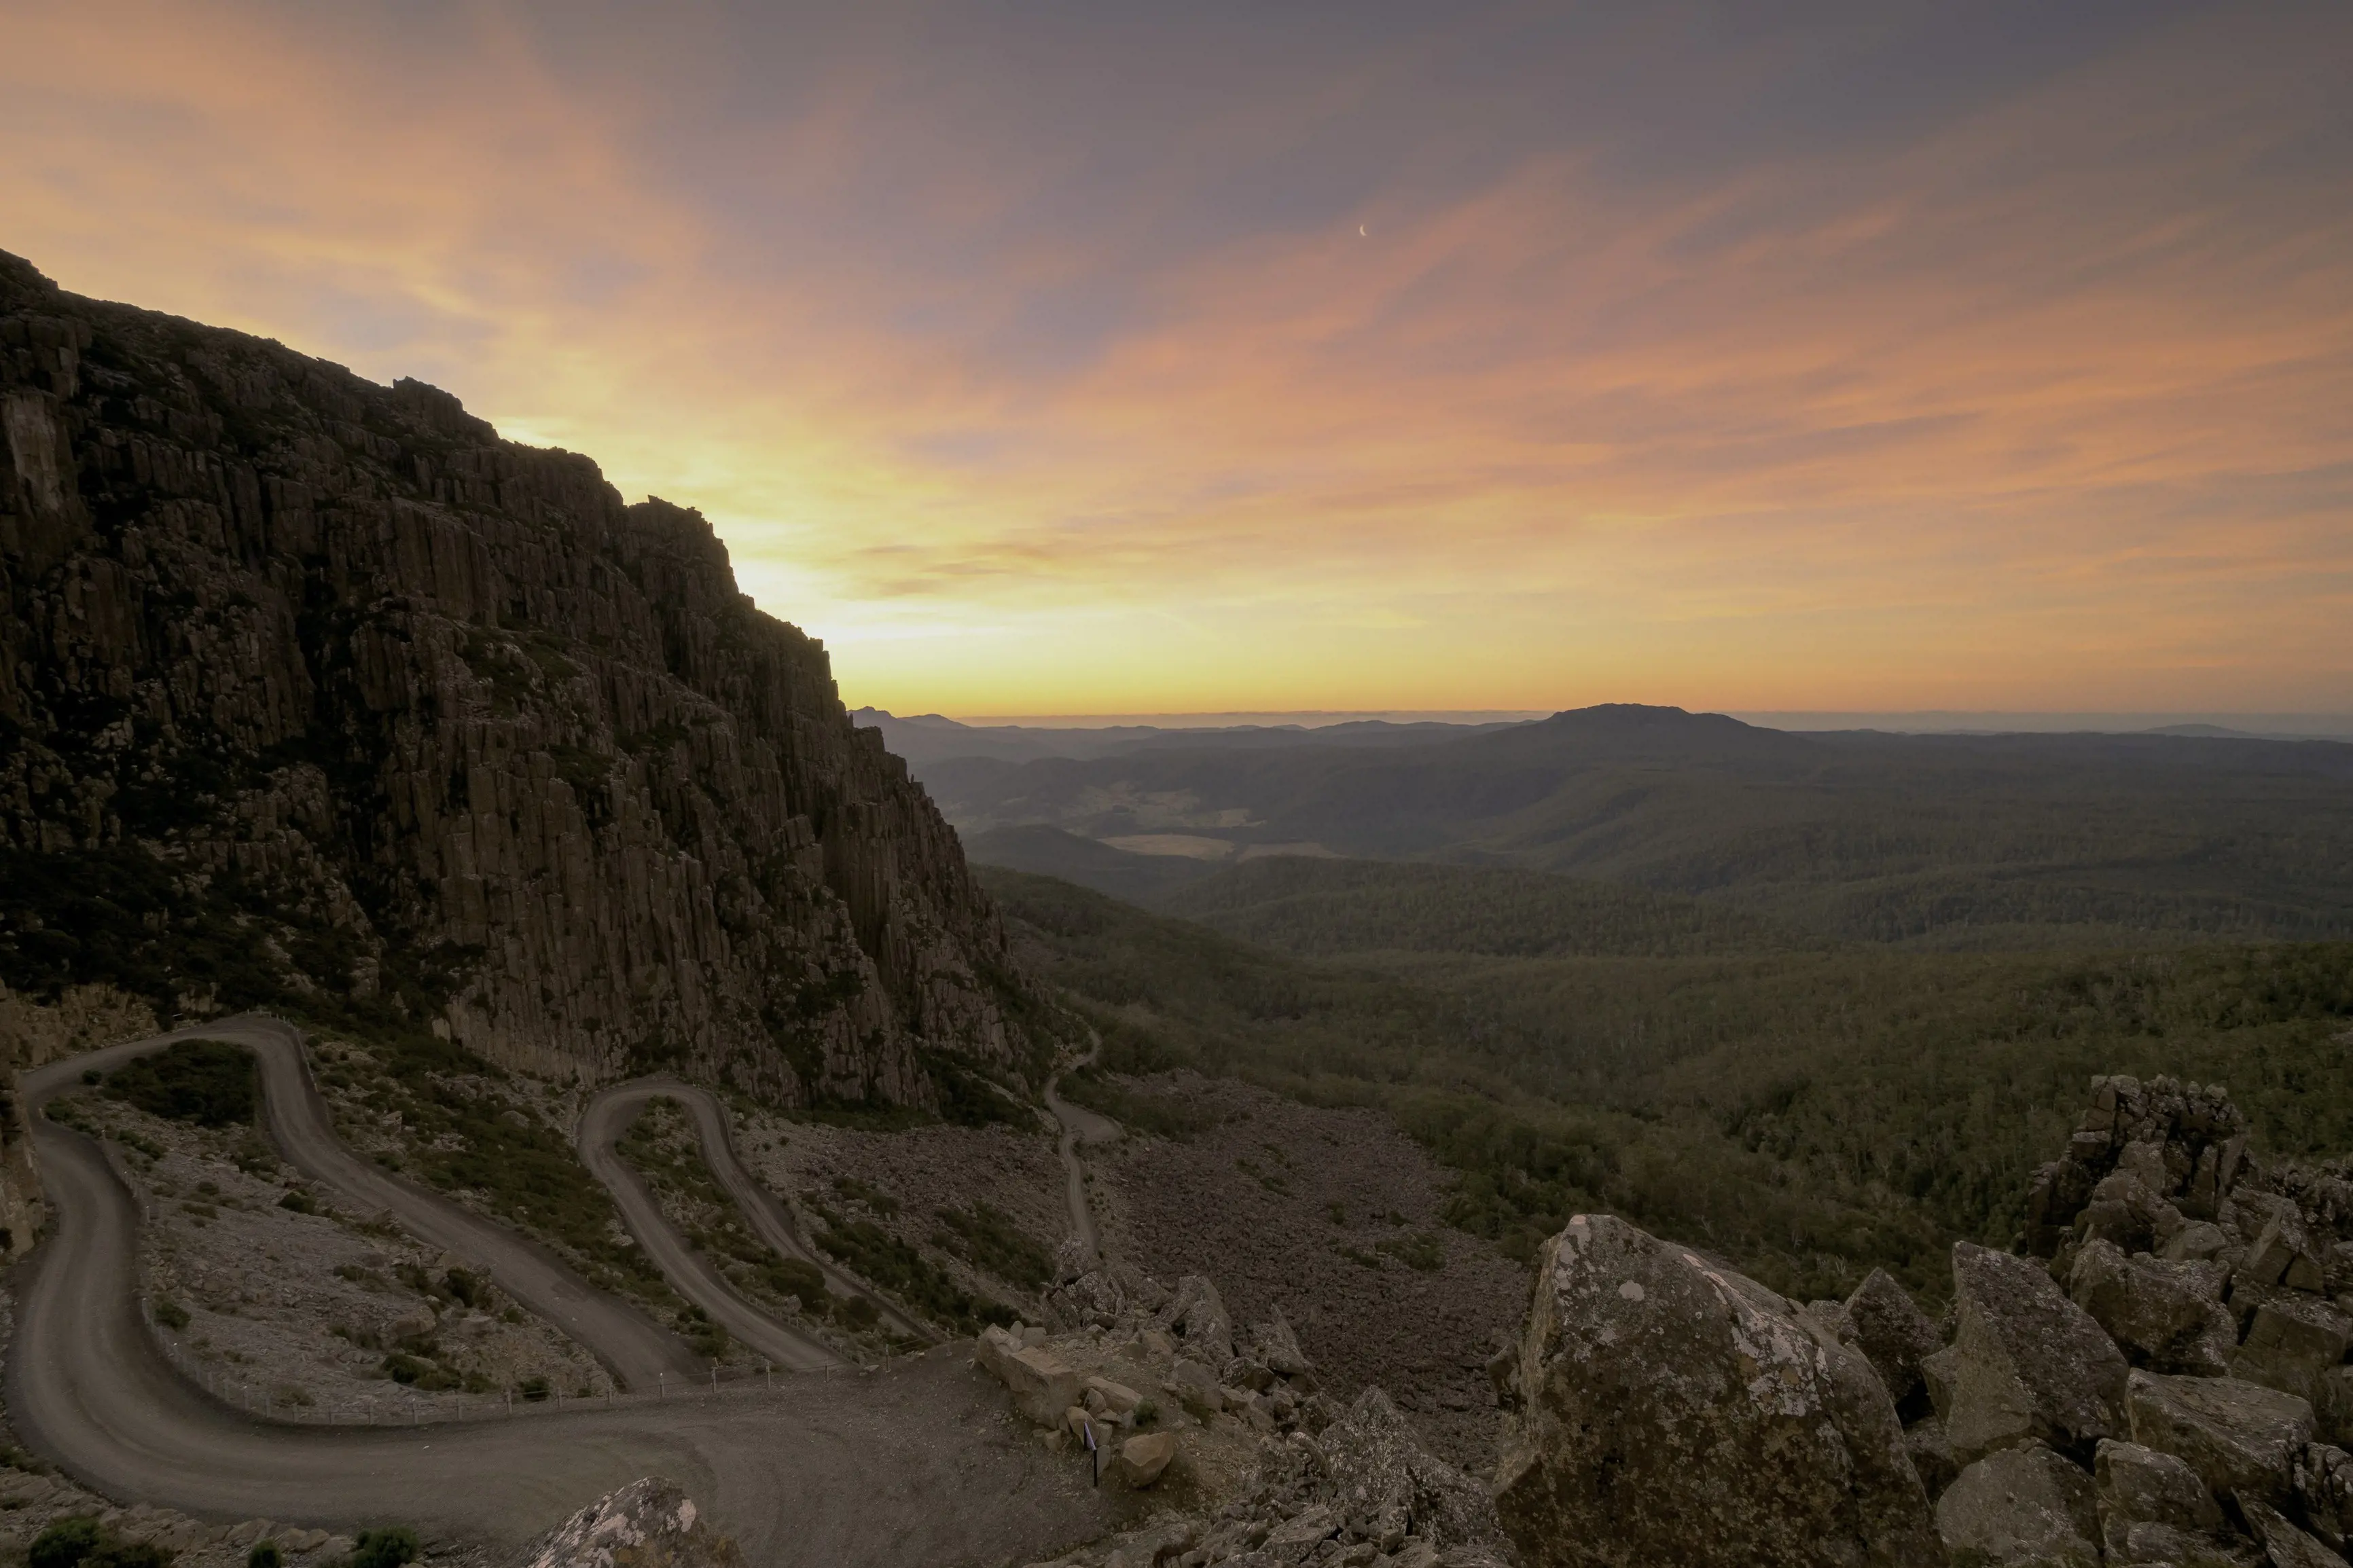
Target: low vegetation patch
<point>467,1132</point>
<point>210,1083</point>
<point>81,1541</point>
<point>1155,1115</point>
<point>985,1237</point>
<point>902,1269</point>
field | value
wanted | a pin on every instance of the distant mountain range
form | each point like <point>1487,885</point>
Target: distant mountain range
<point>1934,839</point>
<point>928,738</point>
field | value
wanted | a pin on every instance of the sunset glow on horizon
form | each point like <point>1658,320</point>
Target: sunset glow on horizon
<point>1094,360</point>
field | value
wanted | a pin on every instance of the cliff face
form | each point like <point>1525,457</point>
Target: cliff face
<point>313,690</point>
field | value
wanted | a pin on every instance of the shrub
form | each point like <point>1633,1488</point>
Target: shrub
<point>987,1238</point>
<point>170,1313</point>
<point>389,1547</point>
<point>1416,1249</point>
<point>63,1544</point>
<point>797,1277</point>
<point>265,1554</point>
<point>210,1083</point>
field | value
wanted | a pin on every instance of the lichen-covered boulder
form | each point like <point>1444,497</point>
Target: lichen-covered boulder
<point>1892,1330</point>
<point>2153,1507</point>
<point>2323,1493</point>
<point>2123,1210</point>
<point>2288,1547</point>
<point>2020,1508</point>
<point>2240,1438</point>
<point>2169,1316</point>
<point>1661,1404</point>
<point>2284,1251</point>
<point>2026,1361</point>
<point>2292,1339</point>
<point>648,1523</point>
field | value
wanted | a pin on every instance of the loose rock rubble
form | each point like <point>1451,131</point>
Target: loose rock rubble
<point>1257,1464</point>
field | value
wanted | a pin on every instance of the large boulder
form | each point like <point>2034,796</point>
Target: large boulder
<point>1142,1460</point>
<point>1659,1401</point>
<point>2124,1211</point>
<point>2291,1339</point>
<point>2284,1250</point>
<point>1196,1316</point>
<point>2168,1316</point>
<point>2153,1507</point>
<point>2332,1405</point>
<point>2240,1438</point>
<point>1043,1385</point>
<point>2323,1493</point>
<point>1890,1328</point>
<point>2026,1361</point>
<point>2288,1546</point>
<point>2020,1508</point>
<point>648,1523</point>
<point>1275,1346</point>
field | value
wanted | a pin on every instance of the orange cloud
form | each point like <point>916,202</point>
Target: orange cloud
<point>2050,407</point>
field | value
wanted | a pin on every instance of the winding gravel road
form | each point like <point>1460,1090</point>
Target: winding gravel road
<point>916,1463</point>
<point>608,1116</point>
<point>631,1345</point>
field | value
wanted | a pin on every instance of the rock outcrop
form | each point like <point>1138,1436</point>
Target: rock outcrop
<point>1658,1401</point>
<point>2025,1363</point>
<point>315,694</point>
<point>1272,1471</point>
<point>650,1523</point>
<point>2181,1400</point>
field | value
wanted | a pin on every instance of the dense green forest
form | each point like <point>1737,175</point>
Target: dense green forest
<point>1321,907</point>
<point>1809,1111</point>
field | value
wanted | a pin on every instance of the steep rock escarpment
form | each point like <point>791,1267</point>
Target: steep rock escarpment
<point>315,691</point>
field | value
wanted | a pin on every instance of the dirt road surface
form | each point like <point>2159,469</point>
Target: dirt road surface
<point>1079,1126</point>
<point>608,1118</point>
<point>916,1463</point>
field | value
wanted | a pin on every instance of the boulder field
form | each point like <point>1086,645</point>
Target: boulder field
<point>2155,1373</point>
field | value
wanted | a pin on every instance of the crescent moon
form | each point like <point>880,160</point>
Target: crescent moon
<point>1360,231</point>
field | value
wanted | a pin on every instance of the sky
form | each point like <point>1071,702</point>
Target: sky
<point>1139,358</point>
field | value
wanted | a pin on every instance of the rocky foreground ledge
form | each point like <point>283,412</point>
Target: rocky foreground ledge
<point>2155,1373</point>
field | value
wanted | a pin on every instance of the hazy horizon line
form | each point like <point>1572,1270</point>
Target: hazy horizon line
<point>1920,718</point>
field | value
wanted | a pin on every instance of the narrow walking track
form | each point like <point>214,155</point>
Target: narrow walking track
<point>1079,1126</point>
<point>914,1464</point>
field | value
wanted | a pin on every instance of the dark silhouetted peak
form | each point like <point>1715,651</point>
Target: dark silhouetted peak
<point>19,278</point>
<point>440,411</point>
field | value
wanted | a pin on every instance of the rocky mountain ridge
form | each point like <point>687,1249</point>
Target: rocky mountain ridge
<point>315,692</point>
